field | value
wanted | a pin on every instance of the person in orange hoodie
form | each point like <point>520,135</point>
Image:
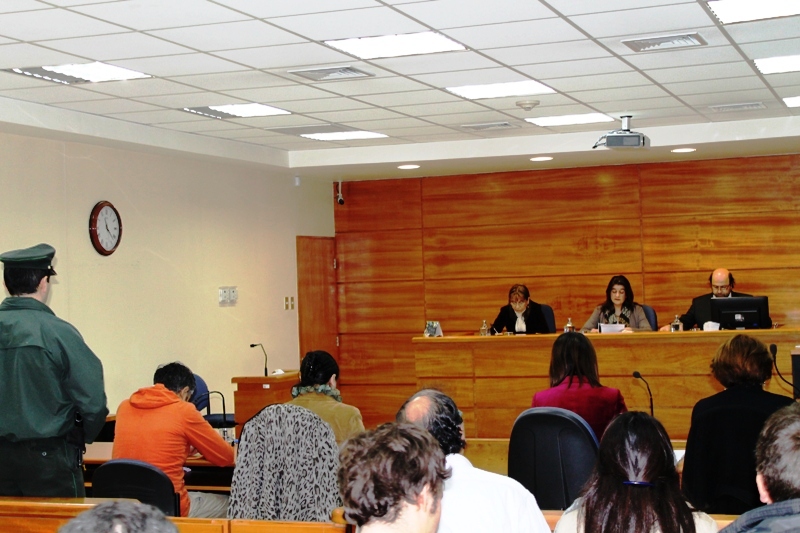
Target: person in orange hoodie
<point>158,425</point>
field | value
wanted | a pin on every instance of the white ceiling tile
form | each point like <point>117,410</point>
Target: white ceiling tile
<point>598,81</point>
<point>548,53</point>
<point>297,143</point>
<point>470,77</point>
<point>30,55</point>
<point>69,3</point>
<point>455,13</point>
<point>178,65</point>
<point>579,67</point>
<point>705,55</point>
<point>786,47</point>
<point>156,14</point>
<point>143,87</point>
<point>267,95</point>
<point>239,134</point>
<point>209,124</point>
<point>370,125</point>
<point>712,86</point>
<point>515,33</point>
<point>787,79</point>
<point>765,30</point>
<point>637,106</point>
<point>161,116</point>
<point>701,72</point>
<point>352,23</point>
<point>117,46</point>
<point>52,24</point>
<point>604,95</point>
<point>247,79</point>
<point>676,120</point>
<point>53,93</point>
<point>286,56</point>
<point>376,142</point>
<point>228,36</point>
<point>369,67</point>
<point>551,111</point>
<point>3,40</point>
<point>510,103</point>
<point>421,130</point>
<point>283,8</point>
<point>179,101</point>
<point>103,107</point>
<point>640,115</point>
<point>10,80</point>
<point>277,121</point>
<point>735,97</point>
<point>710,34</point>
<point>467,118</point>
<point>344,117</point>
<point>318,105</point>
<point>441,138</point>
<point>422,110</point>
<point>445,62</point>
<point>10,6</point>
<point>658,19</point>
<point>410,98</point>
<point>578,7</point>
<point>374,86</point>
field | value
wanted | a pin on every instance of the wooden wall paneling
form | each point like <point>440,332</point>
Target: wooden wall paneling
<point>461,305</point>
<point>378,403</point>
<point>316,295</point>
<point>379,256</point>
<point>379,205</point>
<point>516,393</point>
<point>738,241</point>
<point>462,391</point>
<point>438,357</point>
<point>381,307</point>
<point>554,249</point>
<point>530,197</point>
<point>367,358</point>
<point>720,186</point>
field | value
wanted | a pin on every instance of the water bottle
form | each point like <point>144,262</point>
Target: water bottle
<point>569,327</point>
<point>676,324</point>
<point>484,329</point>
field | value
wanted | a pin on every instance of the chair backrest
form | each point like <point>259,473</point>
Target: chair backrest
<point>286,467</point>
<point>127,478</point>
<point>200,396</point>
<point>650,313</point>
<point>551,452</point>
<point>549,317</point>
<point>201,399</point>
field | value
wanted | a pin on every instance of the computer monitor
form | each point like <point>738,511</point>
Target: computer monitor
<point>741,312</point>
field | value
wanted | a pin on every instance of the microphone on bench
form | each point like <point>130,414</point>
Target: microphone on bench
<point>637,375</point>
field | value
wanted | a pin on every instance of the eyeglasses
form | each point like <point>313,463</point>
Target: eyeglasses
<point>720,288</point>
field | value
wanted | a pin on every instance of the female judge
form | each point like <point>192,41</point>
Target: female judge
<point>619,308</point>
<point>522,315</point>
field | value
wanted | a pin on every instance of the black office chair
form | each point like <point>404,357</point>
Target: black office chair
<point>651,315</point>
<point>201,399</point>
<point>552,451</point>
<point>127,478</point>
<point>549,317</point>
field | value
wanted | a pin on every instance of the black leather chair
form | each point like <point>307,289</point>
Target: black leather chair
<point>549,317</point>
<point>201,400</point>
<point>127,478</point>
<point>651,315</point>
<point>552,451</point>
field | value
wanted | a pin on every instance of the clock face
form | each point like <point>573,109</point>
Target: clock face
<point>105,228</point>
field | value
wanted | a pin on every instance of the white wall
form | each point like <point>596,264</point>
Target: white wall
<point>189,226</point>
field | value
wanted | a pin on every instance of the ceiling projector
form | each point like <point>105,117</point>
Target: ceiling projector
<point>624,137</point>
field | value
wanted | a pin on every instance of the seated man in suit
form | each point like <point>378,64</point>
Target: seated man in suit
<point>160,426</point>
<point>390,480</point>
<point>777,476</point>
<point>474,499</point>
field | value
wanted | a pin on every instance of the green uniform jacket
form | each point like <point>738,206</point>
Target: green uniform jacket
<point>47,375</point>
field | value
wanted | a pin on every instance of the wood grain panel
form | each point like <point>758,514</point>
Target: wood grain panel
<point>378,403</point>
<point>276,526</point>
<point>461,390</point>
<point>488,454</point>
<point>742,241</point>
<point>379,256</point>
<point>366,358</point>
<point>530,197</point>
<point>384,307</point>
<point>570,296</point>
<point>548,249</point>
<point>379,205</point>
<point>316,295</point>
<point>436,358</point>
<point>514,393</point>
<point>743,185</point>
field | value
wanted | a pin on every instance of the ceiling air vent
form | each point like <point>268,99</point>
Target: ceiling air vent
<point>488,126</point>
<point>727,108</point>
<point>331,73</point>
<point>665,42</point>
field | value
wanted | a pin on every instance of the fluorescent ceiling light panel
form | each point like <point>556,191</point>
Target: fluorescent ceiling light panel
<point>792,101</point>
<point>408,167</point>
<point>408,44</point>
<point>499,90</point>
<point>777,65</point>
<point>683,150</point>
<point>344,136</point>
<point>96,72</point>
<point>541,158</point>
<point>249,110</point>
<point>569,120</point>
<point>731,11</point>
<point>650,44</point>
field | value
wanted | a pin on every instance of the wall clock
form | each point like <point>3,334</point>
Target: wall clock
<point>105,228</point>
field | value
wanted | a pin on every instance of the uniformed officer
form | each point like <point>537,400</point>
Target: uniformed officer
<point>52,398</point>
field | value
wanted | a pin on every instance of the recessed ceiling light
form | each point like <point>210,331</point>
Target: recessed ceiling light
<point>499,90</point>
<point>408,44</point>
<point>249,110</point>
<point>541,158</point>
<point>730,11</point>
<point>569,120</point>
<point>96,72</point>
<point>665,42</point>
<point>792,101</point>
<point>683,150</point>
<point>777,65</point>
<point>344,136</point>
<point>408,167</point>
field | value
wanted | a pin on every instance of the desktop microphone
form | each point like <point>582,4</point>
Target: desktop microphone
<point>266,372</point>
<point>637,375</point>
<point>773,349</point>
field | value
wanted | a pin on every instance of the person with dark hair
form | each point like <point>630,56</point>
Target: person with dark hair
<point>722,284</point>
<point>317,391</point>
<point>575,385</point>
<point>777,476</point>
<point>390,480</point>
<point>51,385</point>
<point>521,316</point>
<point>505,505</point>
<point>160,426</point>
<point>719,463</point>
<point>634,485</point>
<point>619,308</point>
<point>120,517</point>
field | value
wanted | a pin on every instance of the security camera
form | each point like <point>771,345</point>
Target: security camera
<point>339,197</point>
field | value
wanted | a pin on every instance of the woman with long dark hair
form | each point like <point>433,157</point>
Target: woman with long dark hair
<point>619,308</point>
<point>317,391</point>
<point>522,315</point>
<point>634,486</point>
<point>575,385</point>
